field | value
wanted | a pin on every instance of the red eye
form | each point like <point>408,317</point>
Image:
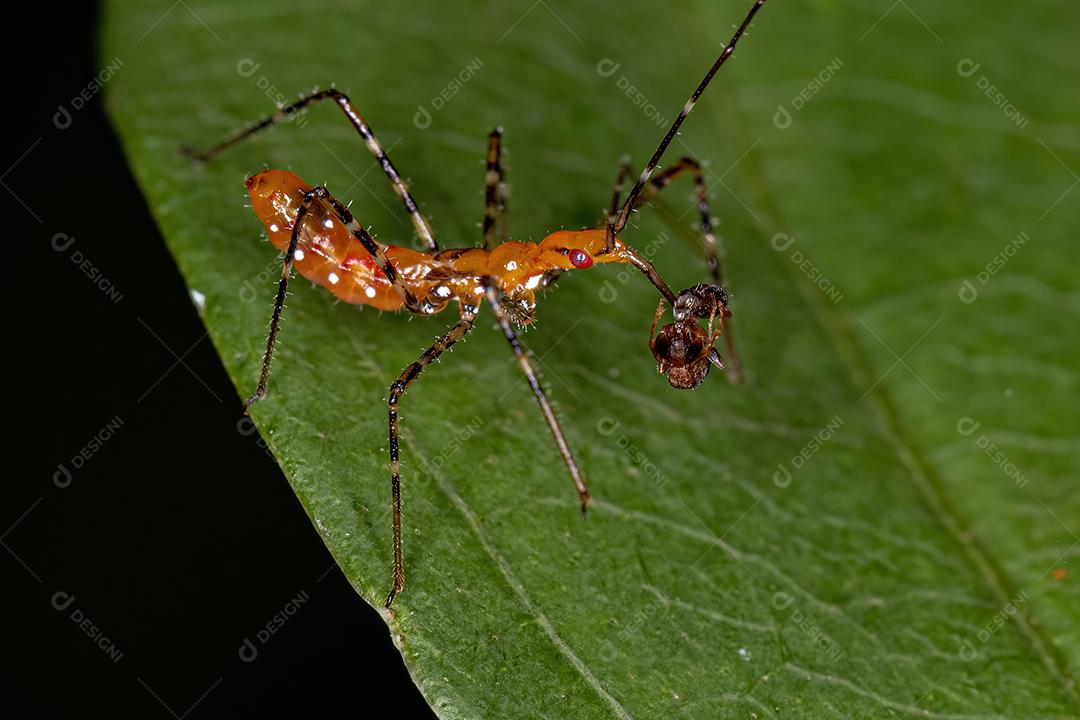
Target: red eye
<point>580,259</point>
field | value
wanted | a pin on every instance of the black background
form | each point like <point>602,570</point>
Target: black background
<point>179,537</point>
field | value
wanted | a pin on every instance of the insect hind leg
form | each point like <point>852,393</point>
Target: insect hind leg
<point>302,214</point>
<point>376,250</point>
<point>313,197</point>
<point>397,389</point>
<point>420,223</point>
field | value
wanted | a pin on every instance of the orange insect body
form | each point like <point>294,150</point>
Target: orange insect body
<point>322,240</point>
<point>328,255</point>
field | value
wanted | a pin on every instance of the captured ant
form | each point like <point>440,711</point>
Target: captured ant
<point>330,248</point>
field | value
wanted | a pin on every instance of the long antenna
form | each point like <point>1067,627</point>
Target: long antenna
<point>615,226</point>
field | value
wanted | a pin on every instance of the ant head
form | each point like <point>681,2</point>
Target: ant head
<point>684,349</point>
<point>702,302</point>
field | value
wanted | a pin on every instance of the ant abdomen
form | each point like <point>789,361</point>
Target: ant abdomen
<point>684,352</point>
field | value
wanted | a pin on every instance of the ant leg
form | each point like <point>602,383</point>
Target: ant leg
<point>397,389</point>
<point>656,319</point>
<point>712,261</point>
<point>310,198</point>
<point>652,331</point>
<point>720,328</point>
<point>423,229</point>
<point>502,317</point>
<point>494,192</point>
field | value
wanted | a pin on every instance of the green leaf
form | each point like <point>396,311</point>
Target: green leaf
<point>846,534</point>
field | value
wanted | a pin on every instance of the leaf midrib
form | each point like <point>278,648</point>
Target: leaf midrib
<point>859,369</point>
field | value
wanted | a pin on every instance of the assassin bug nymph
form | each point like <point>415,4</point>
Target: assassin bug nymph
<point>320,237</point>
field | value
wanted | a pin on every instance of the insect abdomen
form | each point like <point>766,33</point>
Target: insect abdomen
<point>326,254</point>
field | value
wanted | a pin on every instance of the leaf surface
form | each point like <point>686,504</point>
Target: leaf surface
<point>820,541</point>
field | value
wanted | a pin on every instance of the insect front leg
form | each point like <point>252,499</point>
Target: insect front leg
<point>494,296</point>
<point>494,193</point>
<point>397,389</point>
<point>616,223</point>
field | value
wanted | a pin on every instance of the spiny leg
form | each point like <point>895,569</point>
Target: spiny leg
<point>635,259</point>
<point>397,389</point>
<point>712,260</point>
<point>616,225</point>
<point>631,199</point>
<point>494,299</point>
<point>616,193</point>
<point>310,198</point>
<point>494,192</point>
<point>423,229</point>
<point>669,175</point>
